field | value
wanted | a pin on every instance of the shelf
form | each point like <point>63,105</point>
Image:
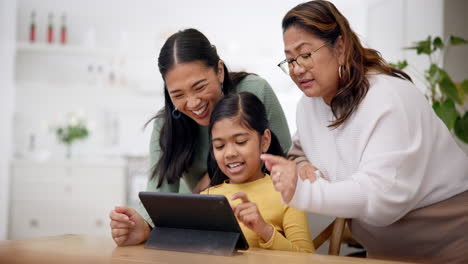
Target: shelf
<point>63,50</point>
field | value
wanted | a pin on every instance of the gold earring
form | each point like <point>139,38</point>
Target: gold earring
<point>339,71</point>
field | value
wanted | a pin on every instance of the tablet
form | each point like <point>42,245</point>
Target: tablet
<point>187,221</point>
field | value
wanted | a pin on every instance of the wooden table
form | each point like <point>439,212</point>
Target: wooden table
<point>87,249</point>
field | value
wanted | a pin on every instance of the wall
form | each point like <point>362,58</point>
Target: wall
<point>7,98</point>
<point>455,23</point>
<point>133,32</point>
<point>393,25</point>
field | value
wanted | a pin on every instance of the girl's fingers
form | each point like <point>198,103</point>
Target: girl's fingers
<point>247,211</point>
<point>240,207</point>
<point>240,195</point>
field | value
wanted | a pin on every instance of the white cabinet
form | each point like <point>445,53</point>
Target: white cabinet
<point>64,197</point>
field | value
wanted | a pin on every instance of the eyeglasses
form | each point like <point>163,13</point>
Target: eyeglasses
<point>304,60</point>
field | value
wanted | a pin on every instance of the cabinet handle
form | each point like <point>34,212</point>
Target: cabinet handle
<point>34,223</point>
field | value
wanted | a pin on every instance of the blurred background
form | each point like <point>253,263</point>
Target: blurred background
<point>79,79</point>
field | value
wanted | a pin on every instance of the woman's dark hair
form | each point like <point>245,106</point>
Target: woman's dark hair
<point>251,113</point>
<point>324,21</point>
<point>177,136</point>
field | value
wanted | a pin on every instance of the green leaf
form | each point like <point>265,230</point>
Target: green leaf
<point>437,43</point>
<point>399,65</point>
<point>448,87</point>
<point>447,112</point>
<point>422,47</point>
<point>461,128</point>
<point>464,86</point>
<point>433,70</point>
<point>454,40</point>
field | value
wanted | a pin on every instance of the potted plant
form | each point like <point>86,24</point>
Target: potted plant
<point>74,129</point>
<point>448,99</point>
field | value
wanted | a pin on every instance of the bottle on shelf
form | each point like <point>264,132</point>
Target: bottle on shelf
<point>50,29</point>
<point>63,30</point>
<point>32,27</point>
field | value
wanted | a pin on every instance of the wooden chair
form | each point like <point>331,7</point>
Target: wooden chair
<point>333,232</point>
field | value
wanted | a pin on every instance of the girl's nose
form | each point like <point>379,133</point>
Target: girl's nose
<point>230,151</point>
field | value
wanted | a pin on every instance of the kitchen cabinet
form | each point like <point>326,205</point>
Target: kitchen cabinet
<point>64,197</point>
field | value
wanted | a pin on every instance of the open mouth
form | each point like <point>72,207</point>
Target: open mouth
<point>201,112</point>
<point>235,167</point>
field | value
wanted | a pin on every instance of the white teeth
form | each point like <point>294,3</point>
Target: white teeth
<point>233,165</point>
<point>199,112</point>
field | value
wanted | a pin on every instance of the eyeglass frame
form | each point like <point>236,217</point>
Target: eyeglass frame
<point>310,54</point>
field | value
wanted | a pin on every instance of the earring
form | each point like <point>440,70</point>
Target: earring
<point>339,71</point>
<point>176,114</point>
<point>222,86</point>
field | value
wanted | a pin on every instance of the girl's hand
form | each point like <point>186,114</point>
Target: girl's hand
<point>128,227</point>
<point>247,212</point>
<point>283,175</point>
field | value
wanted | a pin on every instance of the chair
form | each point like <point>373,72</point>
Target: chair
<point>334,231</point>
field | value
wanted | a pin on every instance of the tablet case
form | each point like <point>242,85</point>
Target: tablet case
<point>193,223</point>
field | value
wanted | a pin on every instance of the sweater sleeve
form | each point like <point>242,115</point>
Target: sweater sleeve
<point>278,124</point>
<point>391,166</point>
<point>296,153</point>
<point>296,236</point>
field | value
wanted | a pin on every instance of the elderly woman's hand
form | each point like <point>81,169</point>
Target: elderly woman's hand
<point>308,171</point>
<point>283,174</point>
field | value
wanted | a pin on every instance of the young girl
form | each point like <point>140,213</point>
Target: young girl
<point>239,134</point>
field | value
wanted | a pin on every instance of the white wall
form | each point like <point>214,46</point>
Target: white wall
<point>247,35</point>
<point>7,98</point>
<point>395,24</point>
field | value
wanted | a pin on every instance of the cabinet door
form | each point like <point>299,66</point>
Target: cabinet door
<point>40,218</point>
<point>99,185</point>
<point>40,182</point>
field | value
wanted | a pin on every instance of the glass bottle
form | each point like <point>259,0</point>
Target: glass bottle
<point>63,31</point>
<point>50,30</point>
<point>32,27</point>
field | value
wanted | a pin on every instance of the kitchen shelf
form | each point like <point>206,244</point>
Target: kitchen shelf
<point>63,50</point>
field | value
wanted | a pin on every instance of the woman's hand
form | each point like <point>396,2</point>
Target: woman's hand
<point>307,171</point>
<point>247,212</point>
<point>128,227</point>
<point>283,175</point>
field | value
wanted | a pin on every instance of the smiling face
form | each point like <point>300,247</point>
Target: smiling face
<point>237,150</point>
<point>195,89</point>
<point>321,79</point>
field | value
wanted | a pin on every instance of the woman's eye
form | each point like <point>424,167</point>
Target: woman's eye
<point>241,142</point>
<point>200,88</point>
<point>306,56</point>
<point>219,147</point>
<point>178,96</point>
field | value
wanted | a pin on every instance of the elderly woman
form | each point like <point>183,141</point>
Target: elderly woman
<point>368,146</point>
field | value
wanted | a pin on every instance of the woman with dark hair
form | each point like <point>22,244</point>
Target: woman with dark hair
<point>368,146</point>
<point>195,79</point>
<point>239,134</point>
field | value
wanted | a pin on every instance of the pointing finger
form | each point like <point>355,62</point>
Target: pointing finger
<point>240,195</point>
